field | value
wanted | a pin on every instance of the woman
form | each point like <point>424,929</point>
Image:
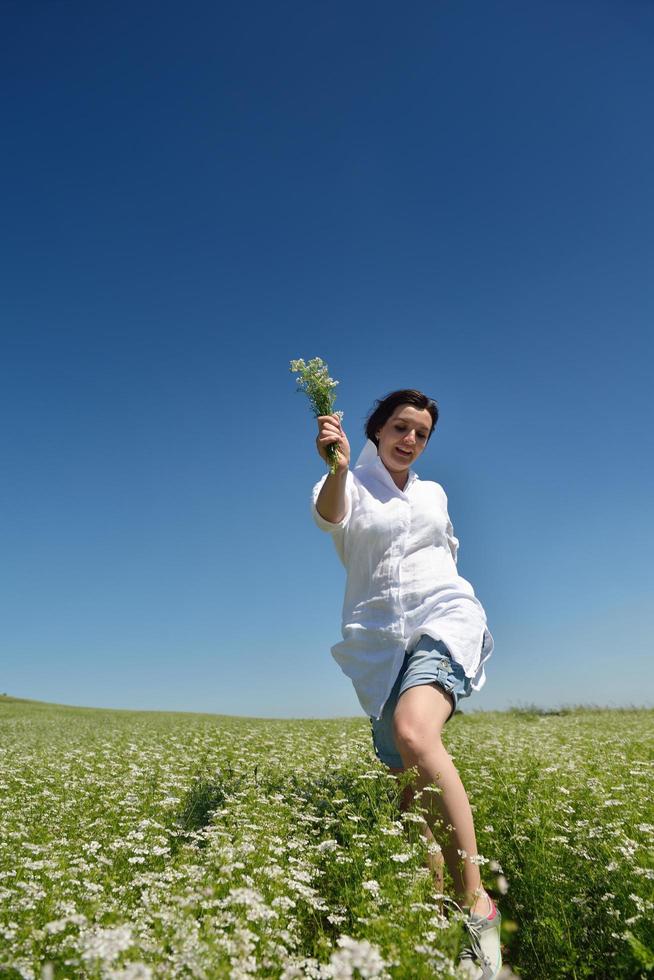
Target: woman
<point>415,639</point>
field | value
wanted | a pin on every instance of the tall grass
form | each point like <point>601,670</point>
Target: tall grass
<point>138,844</point>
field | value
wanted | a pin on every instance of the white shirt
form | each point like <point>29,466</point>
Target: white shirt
<point>399,550</point>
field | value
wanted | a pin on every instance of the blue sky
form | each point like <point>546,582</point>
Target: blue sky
<point>452,197</point>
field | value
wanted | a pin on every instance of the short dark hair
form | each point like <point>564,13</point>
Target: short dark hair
<point>384,408</point>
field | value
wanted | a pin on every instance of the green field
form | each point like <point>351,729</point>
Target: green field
<point>147,844</point>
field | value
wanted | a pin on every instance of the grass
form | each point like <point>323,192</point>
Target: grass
<point>141,845</point>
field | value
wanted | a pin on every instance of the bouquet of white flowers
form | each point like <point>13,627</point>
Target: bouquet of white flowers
<point>315,381</point>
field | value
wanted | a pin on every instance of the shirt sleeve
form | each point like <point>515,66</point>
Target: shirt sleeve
<point>452,541</point>
<point>328,526</point>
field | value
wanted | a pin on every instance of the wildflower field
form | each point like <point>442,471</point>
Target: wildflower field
<point>146,844</point>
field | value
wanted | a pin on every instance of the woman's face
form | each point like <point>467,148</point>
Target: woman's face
<point>403,438</point>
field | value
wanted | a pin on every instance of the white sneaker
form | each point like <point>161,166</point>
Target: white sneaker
<point>482,959</point>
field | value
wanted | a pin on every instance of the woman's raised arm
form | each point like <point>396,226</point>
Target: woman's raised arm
<point>331,503</point>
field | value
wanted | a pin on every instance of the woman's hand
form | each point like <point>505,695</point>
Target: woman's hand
<point>330,431</point>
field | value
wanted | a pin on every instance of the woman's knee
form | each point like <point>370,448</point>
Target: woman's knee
<point>414,741</point>
<point>420,715</point>
<point>414,734</point>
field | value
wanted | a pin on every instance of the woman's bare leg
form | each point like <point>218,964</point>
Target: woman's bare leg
<point>418,721</point>
<point>435,861</point>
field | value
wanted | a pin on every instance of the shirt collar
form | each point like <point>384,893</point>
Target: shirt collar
<point>370,458</point>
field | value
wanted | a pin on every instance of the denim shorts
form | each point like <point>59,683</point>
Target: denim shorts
<point>429,662</point>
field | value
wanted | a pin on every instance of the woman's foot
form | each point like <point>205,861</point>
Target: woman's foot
<point>482,959</point>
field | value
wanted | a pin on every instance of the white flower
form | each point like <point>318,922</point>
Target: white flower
<point>283,902</point>
<point>356,955</point>
<point>57,925</point>
<point>413,817</point>
<point>478,859</point>
<point>105,944</point>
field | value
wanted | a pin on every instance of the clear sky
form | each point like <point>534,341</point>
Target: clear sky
<point>455,197</point>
